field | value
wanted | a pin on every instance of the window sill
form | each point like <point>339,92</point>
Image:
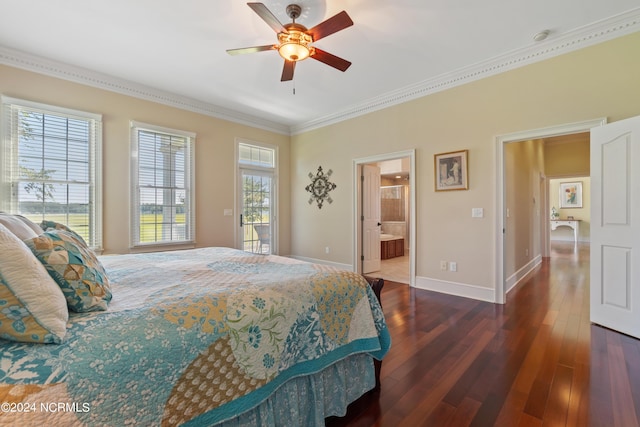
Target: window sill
<point>161,247</point>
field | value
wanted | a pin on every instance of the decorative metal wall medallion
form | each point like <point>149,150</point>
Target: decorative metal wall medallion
<point>320,187</point>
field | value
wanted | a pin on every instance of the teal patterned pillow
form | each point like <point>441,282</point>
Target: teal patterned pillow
<point>74,267</point>
<point>52,225</point>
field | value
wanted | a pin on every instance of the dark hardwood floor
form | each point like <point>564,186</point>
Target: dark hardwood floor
<point>536,361</point>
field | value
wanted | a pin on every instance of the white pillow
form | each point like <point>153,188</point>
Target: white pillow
<point>32,225</point>
<point>17,226</point>
<point>32,306</point>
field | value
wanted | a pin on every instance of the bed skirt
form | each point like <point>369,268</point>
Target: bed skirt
<point>308,400</point>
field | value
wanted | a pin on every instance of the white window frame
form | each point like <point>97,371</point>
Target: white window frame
<point>189,179</point>
<point>273,172</point>
<point>9,159</point>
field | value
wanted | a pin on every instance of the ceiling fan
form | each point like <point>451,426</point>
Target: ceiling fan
<point>295,40</point>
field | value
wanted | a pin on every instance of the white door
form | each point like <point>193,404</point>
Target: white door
<point>370,218</point>
<point>615,226</point>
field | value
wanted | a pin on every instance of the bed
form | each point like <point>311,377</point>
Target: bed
<point>208,336</point>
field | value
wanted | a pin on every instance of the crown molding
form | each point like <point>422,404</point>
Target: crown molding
<point>37,64</point>
<point>588,35</point>
<point>608,29</point>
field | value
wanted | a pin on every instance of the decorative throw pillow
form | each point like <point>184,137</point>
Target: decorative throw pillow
<point>52,225</point>
<point>17,226</point>
<point>32,306</point>
<point>75,268</point>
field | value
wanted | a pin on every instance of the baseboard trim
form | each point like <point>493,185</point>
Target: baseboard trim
<point>523,273</point>
<point>322,261</point>
<point>569,239</point>
<point>455,288</point>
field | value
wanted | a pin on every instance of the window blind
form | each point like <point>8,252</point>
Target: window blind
<point>51,158</point>
<point>162,178</point>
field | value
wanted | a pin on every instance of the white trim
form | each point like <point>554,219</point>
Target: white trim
<point>454,288</point>
<point>9,159</point>
<point>523,274</point>
<point>323,262</point>
<point>501,141</point>
<point>48,67</point>
<point>274,174</point>
<point>356,197</point>
<point>50,108</point>
<point>588,35</point>
<point>135,244</point>
<point>161,129</point>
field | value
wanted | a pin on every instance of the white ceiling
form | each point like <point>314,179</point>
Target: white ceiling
<point>174,51</point>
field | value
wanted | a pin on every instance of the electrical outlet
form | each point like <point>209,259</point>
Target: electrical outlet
<point>443,265</point>
<point>327,250</point>
<point>453,266</point>
<point>526,252</point>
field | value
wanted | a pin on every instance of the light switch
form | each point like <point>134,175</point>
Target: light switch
<point>477,212</point>
<point>228,212</point>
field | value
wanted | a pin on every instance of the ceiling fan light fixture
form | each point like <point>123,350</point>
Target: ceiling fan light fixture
<point>295,45</point>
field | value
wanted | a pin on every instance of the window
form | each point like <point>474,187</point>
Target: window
<point>162,179</point>
<point>252,155</point>
<point>51,160</point>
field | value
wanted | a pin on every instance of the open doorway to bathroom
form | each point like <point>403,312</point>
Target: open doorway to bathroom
<point>394,219</point>
<point>389,240</point>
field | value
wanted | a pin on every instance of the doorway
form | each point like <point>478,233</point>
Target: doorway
<point>505,281</point>
<point>392,237</point>
<point>256,197</point>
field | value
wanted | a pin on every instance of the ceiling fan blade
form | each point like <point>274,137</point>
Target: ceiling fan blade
<point>331,60</point>
<point>334,24</point>
<point>287,70</point>
<point>253,49</point>
<point>267,17</point>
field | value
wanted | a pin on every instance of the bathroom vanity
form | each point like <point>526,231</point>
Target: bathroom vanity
<point>391,246</point>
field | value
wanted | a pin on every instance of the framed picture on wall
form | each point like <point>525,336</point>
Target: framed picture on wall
<point>570,194</point>
<point>451,170</point>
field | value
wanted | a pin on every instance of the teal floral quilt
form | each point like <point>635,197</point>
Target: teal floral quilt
<point>191,337</point>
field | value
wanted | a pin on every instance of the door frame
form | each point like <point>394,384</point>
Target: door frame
<point>357,207</point>
<point>274,172</point>
<point>501,142</point>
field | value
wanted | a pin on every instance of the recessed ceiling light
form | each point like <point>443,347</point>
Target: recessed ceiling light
<point>542,35</point>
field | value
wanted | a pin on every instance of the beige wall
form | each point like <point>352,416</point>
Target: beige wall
<point>598,81</point>
<point>567,155</point>
<point>524,168</point>
<point>214,150</point>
